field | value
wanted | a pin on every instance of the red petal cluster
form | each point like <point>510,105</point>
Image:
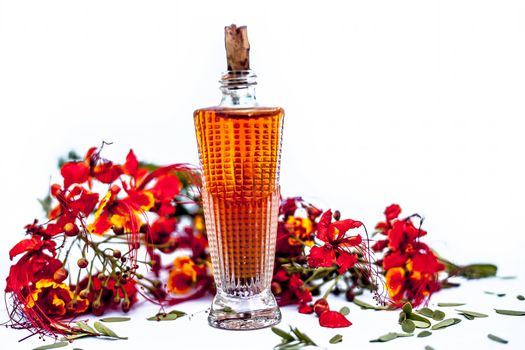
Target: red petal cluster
<point>411,268</point>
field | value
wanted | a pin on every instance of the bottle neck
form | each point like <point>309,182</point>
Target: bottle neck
<point>238,89</point>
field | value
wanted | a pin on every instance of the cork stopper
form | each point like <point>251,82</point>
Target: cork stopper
<point>237,47</point>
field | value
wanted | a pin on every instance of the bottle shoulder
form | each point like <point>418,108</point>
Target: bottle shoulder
<point>240,112</point>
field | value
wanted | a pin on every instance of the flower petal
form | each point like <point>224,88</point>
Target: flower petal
<point>333,319</point>
<point>392,212</point>
<point>321,256</point>
<point>74,172</point>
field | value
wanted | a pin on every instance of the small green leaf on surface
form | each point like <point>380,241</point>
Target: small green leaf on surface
<point>428,347</point>
<point>419,321</point>
<point>420,324</point>
<point>170,316</point>
<point>426,312</point>
<point>104,330</point>
<point>86,328</point>
<point>408,326</point>
<point>115,319</point>
<point>497,339</point>
<point>294,339</point>
<point>450,304</point>
<point>390,336</point>
<point>446,323</point>
<point>344,311</point>
<point>338,338</point>
<point>497,294</point>
<point>438,315</point>
<point>424,334</point>
<point>520,297</point>
<point>471,313</point>
<point>282,334</point>
<point>366,306</point>
<point>407,308</point>
<point>60,344</point>
<point>510,312</point>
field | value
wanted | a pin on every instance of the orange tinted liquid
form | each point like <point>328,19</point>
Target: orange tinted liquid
<point>240,156</point>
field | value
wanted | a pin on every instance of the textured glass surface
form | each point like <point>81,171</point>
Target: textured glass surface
<point>240,156</point>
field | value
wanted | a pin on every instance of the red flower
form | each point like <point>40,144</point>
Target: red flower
<point>411,268</point>
<point>333,319</point>
<point>336,248</point>
<point>290,289</point>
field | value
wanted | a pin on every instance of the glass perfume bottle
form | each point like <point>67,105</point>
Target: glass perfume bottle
<point>239,145</point>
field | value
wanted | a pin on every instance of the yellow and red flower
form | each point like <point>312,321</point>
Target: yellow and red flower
<point>55,299</point>
<point>184,275</point>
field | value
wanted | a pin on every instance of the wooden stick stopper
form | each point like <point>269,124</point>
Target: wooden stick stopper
<point>237,47</point>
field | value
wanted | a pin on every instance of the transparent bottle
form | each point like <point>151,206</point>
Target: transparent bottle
<point>240,147</point>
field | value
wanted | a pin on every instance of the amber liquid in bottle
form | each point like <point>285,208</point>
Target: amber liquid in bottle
<point>239,150</point>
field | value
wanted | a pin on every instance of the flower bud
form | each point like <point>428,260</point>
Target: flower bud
<point>82,263</point>
<point>97,307</point>
<point>320,306</point>
<point>123,259</point>
<point>126,305</point>
<point>84,293</point>
<point>337,215</point>
<point>118,230</point>
<point>60,274</point>
<point>350,295</point>
<point>117,254</point>
<point>70,229</point>
<point>116,299</point>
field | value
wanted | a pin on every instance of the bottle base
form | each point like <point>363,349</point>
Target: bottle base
<point>244,313</point>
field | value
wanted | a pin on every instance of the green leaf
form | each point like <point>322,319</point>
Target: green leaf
<point>420,324</point>
<point>424,334</point>
<point>104,330</point>
<point>450,304</point>
<point>338,338</point>
<point>419,320</point>
<point>170,316</point>
<point>428,347</point>
<point>407,308</point>
<point>446,323</point>
<point>468,317</point>
<point>60,344</point>
<point>438,315</point>
<point>283,334</point>
<point>476,271</point>
<point>390,336</point>
<point>426,312</point>
<point>366,306</point>
<point>510,312</point>
<point>497,339</point>
<point>303,337</point>
<point>472,313</point>
<point>497,294</point>
<point>344,311</point>
<point>402,317</point>
<point>408,326</point>
<point>520,297</point>
<point>86,328</point>
<point>115,319</point>
<point>76,336</point>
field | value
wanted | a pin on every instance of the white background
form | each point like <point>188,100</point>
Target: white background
<point>415,102</point>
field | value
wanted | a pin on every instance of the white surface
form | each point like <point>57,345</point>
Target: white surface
<point>415,102</point>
